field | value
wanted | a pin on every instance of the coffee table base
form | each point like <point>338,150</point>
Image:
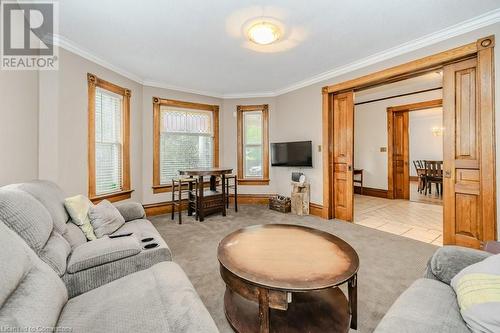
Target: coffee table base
<point>316,311</point>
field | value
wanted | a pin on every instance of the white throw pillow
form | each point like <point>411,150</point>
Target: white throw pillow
<point>78,208</point>
<point>105,218</point>
<point>478,294</point>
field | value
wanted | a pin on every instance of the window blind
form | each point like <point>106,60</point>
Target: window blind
<point>186,141</point>
<point>252,144</point>
<point>108,142</point>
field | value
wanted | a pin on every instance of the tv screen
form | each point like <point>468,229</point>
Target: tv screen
<point>294,154</point>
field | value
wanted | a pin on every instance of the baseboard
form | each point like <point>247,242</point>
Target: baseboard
<point>316,209</point>
<point>372,192</point>
<point>243,199</point>
<point>414,178</point>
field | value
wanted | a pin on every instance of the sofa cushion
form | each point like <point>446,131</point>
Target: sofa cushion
<point>78,208</point>
<point>159,299</point>
<point>447,261</point>
<point>478,291</point>
<point>74,235</point>
<point>91,278</point>
<point>55,253</point>
<point>131,211</point>
<point>427,306</point>
<point>31,294</point>
<point>102,251</point>
<point>105,218</point>
<point>26,216</point>
<point>51,197</point>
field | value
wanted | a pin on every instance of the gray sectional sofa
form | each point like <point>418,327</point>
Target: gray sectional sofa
<point>430,305</point>
<point>53,277</point>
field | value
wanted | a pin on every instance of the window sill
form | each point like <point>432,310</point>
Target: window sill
<point>113,197</point>
<point>253,181</point>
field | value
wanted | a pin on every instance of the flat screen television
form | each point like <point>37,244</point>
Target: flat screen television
<point>292,154</point>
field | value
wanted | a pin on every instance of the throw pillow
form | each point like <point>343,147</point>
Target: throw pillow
<point>478,294</point>
<point>105,218</point>
<point>78,208</point>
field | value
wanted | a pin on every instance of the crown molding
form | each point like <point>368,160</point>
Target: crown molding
<point>461,28</point>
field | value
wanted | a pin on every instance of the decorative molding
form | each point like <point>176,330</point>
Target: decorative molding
<point>461,28</point>
<point>371,192</point>
<point>316,209</point>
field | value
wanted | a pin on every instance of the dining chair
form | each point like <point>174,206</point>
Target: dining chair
<point>434,175</point>
<point>420,170</point>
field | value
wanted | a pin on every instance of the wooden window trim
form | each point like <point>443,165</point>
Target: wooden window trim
<point>241,109</point>
<point>94,82</point>
<point>157,104</point>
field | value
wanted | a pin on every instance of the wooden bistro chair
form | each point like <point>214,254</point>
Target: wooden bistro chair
<point>434,174</point>
<point>179,187</point>
<point>234,187</point>
<point>420,169</point>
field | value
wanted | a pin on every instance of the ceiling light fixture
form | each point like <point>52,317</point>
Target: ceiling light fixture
<point>263,33</point>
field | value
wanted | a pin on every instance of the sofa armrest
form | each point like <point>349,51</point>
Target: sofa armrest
<point>131,211</point>
<point>101,251</point>
<point>449,260</point>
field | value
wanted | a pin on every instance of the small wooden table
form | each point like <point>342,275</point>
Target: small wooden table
<point>284,278</point>
<point>203,207</point>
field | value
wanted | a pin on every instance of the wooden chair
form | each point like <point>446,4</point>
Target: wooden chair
<point>181,186</point>
<point>434,174</point>
<point>234,186</point>
<point>420,169</point>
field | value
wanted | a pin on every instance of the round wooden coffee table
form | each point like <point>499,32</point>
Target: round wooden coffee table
<point>284,278</point>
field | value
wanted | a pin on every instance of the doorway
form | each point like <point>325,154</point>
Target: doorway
<point>469,215</point>
<point>415,151</point>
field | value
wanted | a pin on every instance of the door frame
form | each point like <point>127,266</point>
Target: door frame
<point>482,49</point>
<point>435,103</point>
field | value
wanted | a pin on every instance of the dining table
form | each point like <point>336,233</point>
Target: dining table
<point>208,200</point>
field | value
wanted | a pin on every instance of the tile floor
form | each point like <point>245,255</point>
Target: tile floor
<point>416,220</point>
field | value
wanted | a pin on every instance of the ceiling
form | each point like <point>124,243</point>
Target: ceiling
<point>200,46</point>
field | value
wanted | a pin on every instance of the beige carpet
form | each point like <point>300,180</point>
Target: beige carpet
<point>388,263</point>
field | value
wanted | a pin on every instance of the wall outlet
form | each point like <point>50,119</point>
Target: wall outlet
<point>319,148</point>
<point>383,149</point>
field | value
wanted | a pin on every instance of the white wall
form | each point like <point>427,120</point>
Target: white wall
<point>424,145</point>
<point>370,134</point>
<point>18,126</point>
<point>63,137</point>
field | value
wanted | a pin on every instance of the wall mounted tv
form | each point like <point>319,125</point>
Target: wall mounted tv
<point>291,154</point>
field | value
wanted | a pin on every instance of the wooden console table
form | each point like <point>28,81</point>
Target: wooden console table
<point>210,201</point>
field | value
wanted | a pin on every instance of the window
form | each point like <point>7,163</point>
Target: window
<point>253,144</point>
<point>109,131</point>
<point>186,136</point>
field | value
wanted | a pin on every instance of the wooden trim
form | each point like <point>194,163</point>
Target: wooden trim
<point>240,109</point>
<point>400,95</point>
<point>414,178</point>
<point>113,197</point>
<point>486,74</point>
<point>327,120</point>
<point>402,71</point>
<point>92,83</point>
<point>315,209</point>
<point>162,207</point>
<point>392,74</point>
<point>435,103</point>
<point>372,192</point>
<point>157,104</point>
<point>253,181</point>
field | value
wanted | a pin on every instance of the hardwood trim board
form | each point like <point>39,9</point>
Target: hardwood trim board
<point>316,209</point>
<point>371,192</point>
<point>414,178</point>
